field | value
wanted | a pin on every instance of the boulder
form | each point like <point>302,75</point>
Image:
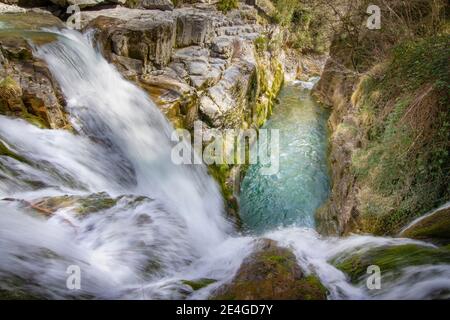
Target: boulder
<point>434,227</point>
<point>81,3</point>
<point>81,205</point>
<point>193,28</point>
<point>272,273</point>
<point>27,88</point>
<point>390,259</point>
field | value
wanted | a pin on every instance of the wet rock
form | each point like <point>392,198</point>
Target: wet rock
<point>82,205</point>
<point>174,97</point>
<point>149,4</point>
<point>198,283</point>
<point>27,88</point>
<point>272,273</point>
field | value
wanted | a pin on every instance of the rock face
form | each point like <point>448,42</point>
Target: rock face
<point>198,65</point>
<point>142,38</point>
<point>195,62</point>
<point>272,273</point>
<point>27,89</point>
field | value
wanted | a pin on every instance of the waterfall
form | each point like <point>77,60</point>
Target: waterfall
<point>164,224</point>
<point>123,148</point>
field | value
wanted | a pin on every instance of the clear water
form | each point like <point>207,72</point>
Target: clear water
<point>291,196</point>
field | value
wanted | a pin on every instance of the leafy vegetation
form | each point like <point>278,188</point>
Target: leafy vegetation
<point>404,166</point>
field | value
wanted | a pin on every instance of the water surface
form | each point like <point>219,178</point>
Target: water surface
<point>291,196</point>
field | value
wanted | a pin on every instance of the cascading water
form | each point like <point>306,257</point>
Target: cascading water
<point>166,222</point>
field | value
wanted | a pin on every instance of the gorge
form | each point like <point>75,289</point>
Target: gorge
<point>87,178</point>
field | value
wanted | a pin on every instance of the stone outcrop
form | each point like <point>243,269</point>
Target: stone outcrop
<point>191,57</point>
<point>196,63</point>
<point>271,273</point>
<point>27,89</point>
<point>392,260</point>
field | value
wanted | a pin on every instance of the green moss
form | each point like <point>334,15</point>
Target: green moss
<point>313,289</point>
<point>11,103</point>
<point>391,259</point>
<point>435,227</point>
<point>198,284</point>
<point>272,273</point>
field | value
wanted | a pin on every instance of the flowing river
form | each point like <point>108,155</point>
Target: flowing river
<point>167,222</point>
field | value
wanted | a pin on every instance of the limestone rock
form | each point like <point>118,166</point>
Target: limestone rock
<point>225,103</point>
<point>434,226</point>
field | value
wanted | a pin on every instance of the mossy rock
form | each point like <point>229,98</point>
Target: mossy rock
<point>272,273</point>
<point>434,227</point>
<point>198,284</point>
<point>391,260</point>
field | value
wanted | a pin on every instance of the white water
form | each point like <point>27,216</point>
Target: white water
<point>139,248</point>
